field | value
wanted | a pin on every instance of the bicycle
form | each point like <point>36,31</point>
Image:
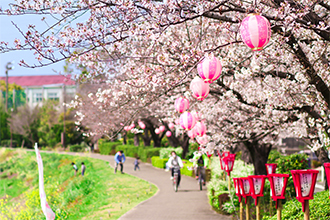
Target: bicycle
<point>176,171</point>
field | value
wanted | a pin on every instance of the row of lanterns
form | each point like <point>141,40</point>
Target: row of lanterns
<point>304,183</point>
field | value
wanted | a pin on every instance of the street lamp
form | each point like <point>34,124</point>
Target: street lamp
<point>9,66</point>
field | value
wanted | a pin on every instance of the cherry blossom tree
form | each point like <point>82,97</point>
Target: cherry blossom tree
<point>148,51</point>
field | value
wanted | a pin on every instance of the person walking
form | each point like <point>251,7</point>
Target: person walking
<point>120,160</point>
<point>74,166</point>
<point>136,163</point>
<point>83,168</point>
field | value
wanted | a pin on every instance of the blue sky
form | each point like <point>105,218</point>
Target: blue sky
<point>8,33</point>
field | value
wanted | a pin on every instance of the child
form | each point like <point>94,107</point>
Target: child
<point>75,168</point>
<point>83,168</point>
<point>136,163</point>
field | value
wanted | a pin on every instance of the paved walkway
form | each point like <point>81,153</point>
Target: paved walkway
<point>188,203</point>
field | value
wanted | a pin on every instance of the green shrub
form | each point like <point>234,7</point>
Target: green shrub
<point>6,143</point>
<point>143,152</point>
<point>319,208</point>
<point>292,162</point>
<point>166,152</point>
<point>192,148</point>
<point>129,150</point>
<point>146,153</point>
<point>77,148</point>
<point>157,162</point>
<point>106,148</point>
<point>187,168</point>
<point>273,156</point>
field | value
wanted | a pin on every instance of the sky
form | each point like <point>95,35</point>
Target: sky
<point>9,33</point>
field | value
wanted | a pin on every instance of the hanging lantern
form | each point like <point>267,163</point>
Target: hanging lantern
<point>200,128</point>
<point>127,128</point>
<point>168,134</point>
<point>271,168</point>
<point>142,125</point>
<point>199,89</point>
<point>162,128</point>
<point>209,69</point>
<point>187,121</point>
<point>132,125</point>
<point>255,31</point>
<point>181,104</point>
<point>157,131</point>
<point>229,163</point>
<point>304,184</point>
<point>202,140</point>
<point>327,173</point>
<point>170,125</point>
<point>278,184</point>
<point>237,189</point>
<point>257,183</point>
<point>192,133</point>
<point>245,188</point>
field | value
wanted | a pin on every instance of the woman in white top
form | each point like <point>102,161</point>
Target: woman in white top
<point>175,162</point>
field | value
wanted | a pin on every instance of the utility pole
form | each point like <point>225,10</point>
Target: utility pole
<point>9,66</point>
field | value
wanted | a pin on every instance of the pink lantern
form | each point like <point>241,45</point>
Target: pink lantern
<point>168,134</point>
<point>187,120</point>
<point>171,125</point>
<point>162,128</point>
<point>203,140</point>
<point>132,125</point>
<point>192,133</point>
<point>200,128</point>
<point>199,88</point>
<point>127,128</point>
<point>157,131</point>
<point>181,104</point>
<point>142,125</point>
<point>209,69</point>
<point>255,31</point>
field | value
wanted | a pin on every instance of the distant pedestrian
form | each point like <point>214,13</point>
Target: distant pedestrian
<point>136,163</point>
<point>83,168</point>
<point>120,159</point>
<point>74,166</point>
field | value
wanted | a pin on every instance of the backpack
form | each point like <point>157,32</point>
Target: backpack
<point>200,160</point>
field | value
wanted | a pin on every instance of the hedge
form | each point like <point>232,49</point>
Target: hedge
<point>107,148</point>
<point>6,143</point>
<point>165,152</point>
<point>157,162</point>
<point>77,148</point>
<point>143,152</point>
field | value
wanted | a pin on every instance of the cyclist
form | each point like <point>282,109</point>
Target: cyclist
<point>175,162</point>
<point>201,162</point>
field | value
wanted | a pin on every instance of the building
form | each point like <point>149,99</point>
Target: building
<point>46,87</point>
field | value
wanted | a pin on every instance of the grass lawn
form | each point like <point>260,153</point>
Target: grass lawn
<point>100,193</point>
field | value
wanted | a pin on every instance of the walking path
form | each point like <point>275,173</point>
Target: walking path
<point>188,203</point>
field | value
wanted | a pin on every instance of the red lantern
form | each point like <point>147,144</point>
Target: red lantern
<point>229,163</point>
<point>257,183</point>
<point>278,184</point>
<point>327,173</point>
<point>237,189</point>
<point>199,89</point>
<point>304,183</point>
<point>200,128</point>
<point>245,189</point>
<point>271,168</point>
<point>187,121</point>
<point>221,156</point>
<point>209,69</point>
<point>181,104</point>
<point>255,31</point>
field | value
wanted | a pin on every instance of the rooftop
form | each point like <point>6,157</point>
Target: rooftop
<point>31,81</point>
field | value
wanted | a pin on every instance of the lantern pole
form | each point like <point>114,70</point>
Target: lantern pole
<point>279,209</point>
<point>306,212</point>
<point>241,208</point>
<point>229,182</point>
<point>247,210</point>
<point>258,208</point>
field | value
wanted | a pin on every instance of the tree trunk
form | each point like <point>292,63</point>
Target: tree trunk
<point>322,154</point>
<point>23,143</point>
<point>124,138</point>
<point>146,138</point>
<point>259,154</point>
<point>136,140</point>
<point>185,145</point>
